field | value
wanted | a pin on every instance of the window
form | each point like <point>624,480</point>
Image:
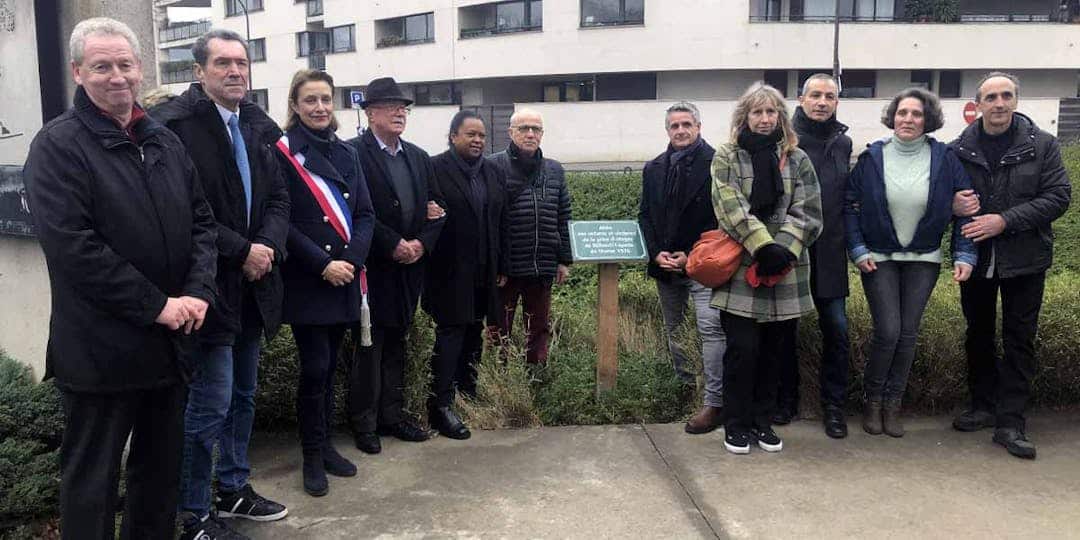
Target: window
<point>257,50</point>
<point>765,10</point>
<point>923,78</point>
<point>236,7</point>
<point>437,94</point>
<point>309,43</point>
<point>777,78</point>
<point>612,12</point>
<point>949,83</point>
<point>260,98</point>
<point>858,83</point>
<point>826,10</point>
<point>314,8</point>
<point>503,17</point>
<point>343,38</point>
<point>406,30</point>
<point>568,91</point>
<point>617,86</point>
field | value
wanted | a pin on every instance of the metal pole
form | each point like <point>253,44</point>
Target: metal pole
<point>836,43</point>
<point>247,30</point>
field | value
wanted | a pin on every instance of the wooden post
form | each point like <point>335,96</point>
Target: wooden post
<point>607,339</point>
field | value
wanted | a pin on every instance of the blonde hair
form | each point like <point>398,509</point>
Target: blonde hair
<point>757,94</point>
<point>301,78</point>
<point>156,96</point>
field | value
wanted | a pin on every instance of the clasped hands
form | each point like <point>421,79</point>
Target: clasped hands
<point>984,227</point>
<point>339,273</point>
<point>671,261</point>
<point>259,262</point>
<point>185,312</point>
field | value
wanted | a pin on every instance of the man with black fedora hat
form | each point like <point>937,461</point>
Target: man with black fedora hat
<point>401,181</point>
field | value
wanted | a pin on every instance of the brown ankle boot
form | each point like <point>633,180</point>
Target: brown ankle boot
<point>871,421</point>
<point>705,420</point>
<point>890,418</point>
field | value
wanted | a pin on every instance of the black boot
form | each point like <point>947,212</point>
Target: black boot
<point>311,415</point>
<point>335,463</point>
<point>315,482</point>
<point>448,423</point>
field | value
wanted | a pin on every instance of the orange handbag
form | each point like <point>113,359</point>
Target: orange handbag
<point>714,258</point>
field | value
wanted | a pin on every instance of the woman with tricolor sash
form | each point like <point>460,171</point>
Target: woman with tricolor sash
<point>329,236</point>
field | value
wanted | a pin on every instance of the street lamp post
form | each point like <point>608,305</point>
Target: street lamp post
<point>836,47</point>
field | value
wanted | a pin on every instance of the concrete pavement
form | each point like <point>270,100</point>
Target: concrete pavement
<point>655,481</point>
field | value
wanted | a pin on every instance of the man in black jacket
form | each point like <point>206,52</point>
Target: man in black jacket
<point>535,239</point>
<point>676,208</point>
<point>1021,187</point>
<point>823,139</point>
<point>129,241</point>
<point>401,181</point>
<point>230,141</point>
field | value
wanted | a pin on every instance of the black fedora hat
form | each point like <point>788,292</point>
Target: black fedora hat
<point>384,89</point>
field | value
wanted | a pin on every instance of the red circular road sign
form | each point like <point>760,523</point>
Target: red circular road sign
<point>969,112</point>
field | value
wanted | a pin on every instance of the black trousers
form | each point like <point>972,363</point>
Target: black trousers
<point>751,362</point>
<point>318,348</point>
<point>833,375</point>
<point>377,380</point>
<point>97,428</point>
<point>1002,386</point>
<point>453,364</point>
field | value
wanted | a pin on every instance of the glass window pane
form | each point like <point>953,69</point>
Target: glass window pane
<point>416,28</point>
<point>819,9</point>
<point>320,42</point>
<point>635,11</point>
<point>536,14</point>
<point>394,27</point>
<point>599,11</point>
<point>303,44</point>
<point>511,15</point>
<point>343,38</point>
<point>885,9</point>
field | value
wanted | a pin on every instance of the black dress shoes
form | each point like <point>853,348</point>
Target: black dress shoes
<point>835,422</point>
<point>1015,442</point>
<point>783,416</point>
<point>448,423</point>
<point>406,431</point>
<point>367,442</point>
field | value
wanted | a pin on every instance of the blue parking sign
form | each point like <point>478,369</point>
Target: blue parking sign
<point>356,97</point>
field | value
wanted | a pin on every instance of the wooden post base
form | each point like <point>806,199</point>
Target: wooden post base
<point>607,339</point>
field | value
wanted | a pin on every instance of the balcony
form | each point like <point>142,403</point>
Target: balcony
<point>180,71</point>
<point>915,11</point>
<point>410,30</point>
<point>317,61</point>
<point>314,8</point>
<point>183,31</point>
<point>501,18</point>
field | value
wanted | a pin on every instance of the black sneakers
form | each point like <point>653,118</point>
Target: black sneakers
<point>248,505</point>
<point>737,442</point>
<point>767,439</point>
<point>207,528</point>
<point>1015,442</point>
<point>974,420</point>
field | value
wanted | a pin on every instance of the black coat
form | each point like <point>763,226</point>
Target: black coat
<point>828,254</point>
<point>536,223</point>
<point>395,288</point>
<point>452,273</point>
<point>123,227</point>
<point>313,242</point>
<point>691,215</point>
<point>1030,189</point>
<point>195,119</point>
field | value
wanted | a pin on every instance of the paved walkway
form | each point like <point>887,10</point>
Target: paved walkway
<point>655,481</point>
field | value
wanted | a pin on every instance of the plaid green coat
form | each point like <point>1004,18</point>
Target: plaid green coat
<point>795,225</point>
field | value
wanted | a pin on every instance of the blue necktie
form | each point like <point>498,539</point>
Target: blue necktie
<point>240,154</point>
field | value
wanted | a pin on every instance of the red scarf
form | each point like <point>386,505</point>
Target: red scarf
<point>136,114</point>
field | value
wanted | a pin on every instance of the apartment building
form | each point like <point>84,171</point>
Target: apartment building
<point>600,64</point>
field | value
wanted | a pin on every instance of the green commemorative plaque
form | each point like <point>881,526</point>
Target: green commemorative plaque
<point>607,242</point>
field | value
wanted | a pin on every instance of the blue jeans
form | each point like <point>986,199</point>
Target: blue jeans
<point>897,293</point>
<point>220,409</point>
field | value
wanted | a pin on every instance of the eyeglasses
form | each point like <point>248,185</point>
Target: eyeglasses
<point>393,107</point>
<point>525,128</point>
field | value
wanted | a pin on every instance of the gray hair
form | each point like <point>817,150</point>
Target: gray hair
<point>525,111</point>
<point>818,77</point>
<point>683,106</point>
<point>1012,78</point>
<point>102,26</point>
<point>201,49</point>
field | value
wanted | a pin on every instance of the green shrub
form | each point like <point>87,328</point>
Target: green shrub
<point>31,427</point>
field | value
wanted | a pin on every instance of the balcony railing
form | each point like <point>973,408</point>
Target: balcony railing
<point>467,33</point>
<point>180,71</point>
<point>187,31</point>
<point>1050,17</point>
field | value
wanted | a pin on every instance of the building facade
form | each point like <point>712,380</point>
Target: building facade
<point>579,57</point>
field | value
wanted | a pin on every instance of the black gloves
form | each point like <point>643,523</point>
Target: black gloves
<point>773,259</point>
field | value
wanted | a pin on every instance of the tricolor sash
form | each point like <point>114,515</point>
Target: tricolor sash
<point>330,201</point>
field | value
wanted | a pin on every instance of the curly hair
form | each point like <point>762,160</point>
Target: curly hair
<point>932,114</point>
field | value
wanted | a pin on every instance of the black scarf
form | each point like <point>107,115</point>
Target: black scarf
<point>472,171</point>
<point>526,165</point>
<point>678,162</point>
<point>768,182</point>
<point>806,126</point>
